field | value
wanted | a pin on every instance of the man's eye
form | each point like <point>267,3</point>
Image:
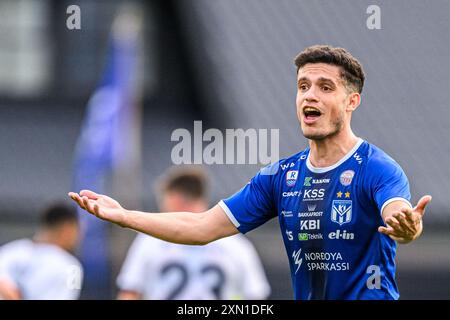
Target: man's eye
<point>303,87</point>
<point>326,88</point>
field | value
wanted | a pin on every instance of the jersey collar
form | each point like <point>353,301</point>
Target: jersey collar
<point>337,164</point>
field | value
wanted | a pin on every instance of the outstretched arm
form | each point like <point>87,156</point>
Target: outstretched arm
<point>177,227</point>
<point>404,224</point>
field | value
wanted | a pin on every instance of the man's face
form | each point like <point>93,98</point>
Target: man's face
<point>322,100</point>
<point>174,201</point>
<point>70,235</point>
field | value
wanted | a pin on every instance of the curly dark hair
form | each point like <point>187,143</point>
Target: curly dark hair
<point>351,69</point>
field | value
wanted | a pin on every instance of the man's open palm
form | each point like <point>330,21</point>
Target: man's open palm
<point>406,225</point>
<point>101,206</point>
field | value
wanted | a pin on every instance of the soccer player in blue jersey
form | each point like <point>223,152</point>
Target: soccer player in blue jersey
<point>342,203</point>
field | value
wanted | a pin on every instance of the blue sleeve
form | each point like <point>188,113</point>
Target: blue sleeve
<point>388,182</point>
<point>253,205</point>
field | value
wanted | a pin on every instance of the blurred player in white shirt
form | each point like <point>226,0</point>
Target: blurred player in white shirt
<point>44,268</point>
<point>225,269</point>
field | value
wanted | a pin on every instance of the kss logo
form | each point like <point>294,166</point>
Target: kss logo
<point>291,177</point>
<point>341,211</point>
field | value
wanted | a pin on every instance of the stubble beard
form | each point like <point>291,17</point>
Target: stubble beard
<point>336,127</point>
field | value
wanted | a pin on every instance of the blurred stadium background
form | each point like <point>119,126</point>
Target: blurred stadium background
<point>229,64</point>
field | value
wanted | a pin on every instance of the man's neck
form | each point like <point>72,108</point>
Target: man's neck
<point>46,237</point>
<point>325,153</point>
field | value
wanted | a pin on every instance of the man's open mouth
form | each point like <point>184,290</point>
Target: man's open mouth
<point>311,113</point>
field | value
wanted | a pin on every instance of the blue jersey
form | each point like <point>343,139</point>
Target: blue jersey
<point>329,219</point>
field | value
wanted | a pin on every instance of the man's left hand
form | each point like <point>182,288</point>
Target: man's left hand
<point>405,225</point>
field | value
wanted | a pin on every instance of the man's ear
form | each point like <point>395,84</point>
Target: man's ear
<point>354,99</point>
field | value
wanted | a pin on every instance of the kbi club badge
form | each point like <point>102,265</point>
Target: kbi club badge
<point>291,177</point>
<point>341,211</point>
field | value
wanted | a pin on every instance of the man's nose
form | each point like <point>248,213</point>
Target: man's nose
<point>310,95</point>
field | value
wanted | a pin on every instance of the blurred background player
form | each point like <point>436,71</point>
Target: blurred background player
<point>44,267</point>
<point>225,269</point>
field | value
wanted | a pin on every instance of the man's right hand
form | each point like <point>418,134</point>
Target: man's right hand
<point>101,206</point>
<point>178,227</point>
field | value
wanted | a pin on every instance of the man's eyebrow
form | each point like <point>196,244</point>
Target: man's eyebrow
<point>322,79</point>
<point>302,79</point>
